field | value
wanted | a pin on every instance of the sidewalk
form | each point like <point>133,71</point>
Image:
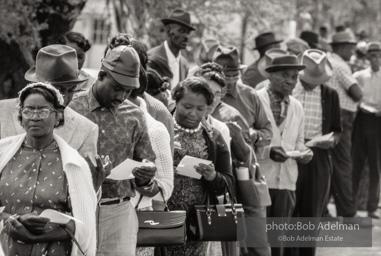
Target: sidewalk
<point>375,250</point>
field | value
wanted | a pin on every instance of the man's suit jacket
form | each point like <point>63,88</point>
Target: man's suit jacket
<point>78,131</point>
<point>160,50</point>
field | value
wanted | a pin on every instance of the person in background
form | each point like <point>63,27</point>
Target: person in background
<point>40,171</point>
<point>160,65</point>
<point>123,135</point>
<point>367,130</point>
<point>263,42</point>
<point>287,122</point>
<point>157,86</point>
<point>311,38</point>
<point>321,116</point>
<point>243,97</point>
<point>193,96</point>
<point>8,88</point>
<point>206,52</point>
<point>81,45</point>
<point>359,60</point>
<point>349,95</point>
<point>297,46</point>
<point>178,28</point>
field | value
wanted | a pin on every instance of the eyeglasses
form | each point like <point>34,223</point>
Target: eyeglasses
<point>42,113</point>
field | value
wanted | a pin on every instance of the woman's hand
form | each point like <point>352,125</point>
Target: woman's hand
<point>33,223</point>
<point>207,171</point>
<point>18,231</point>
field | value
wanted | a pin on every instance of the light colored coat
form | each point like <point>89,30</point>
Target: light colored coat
<point>282,175</point>
<point>82,195</point>
<point>78,131</point>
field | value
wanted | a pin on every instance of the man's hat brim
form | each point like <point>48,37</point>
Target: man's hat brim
<point>169,21</point>
<point>126,80</point>
<point>274,68</point>
<point>274,42</point>
<point>240,67</point>
<point>31,76</point>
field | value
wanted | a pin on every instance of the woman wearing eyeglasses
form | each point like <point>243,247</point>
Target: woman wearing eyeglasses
<point>39,171</point>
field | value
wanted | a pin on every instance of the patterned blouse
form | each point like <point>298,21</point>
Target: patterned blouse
<point>32,181</point>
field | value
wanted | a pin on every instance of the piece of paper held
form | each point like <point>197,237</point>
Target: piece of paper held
<point>57,217</point>
<point>124,170</point>
<point>368,108</point>
<point>317,140</point>
<point>2,209</point>
<point>186,166</point>
<point>296,153</point>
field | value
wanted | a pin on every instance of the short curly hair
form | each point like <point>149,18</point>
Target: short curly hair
<point>50,94</point>
<point>196,85</point>
<point>77,38</point>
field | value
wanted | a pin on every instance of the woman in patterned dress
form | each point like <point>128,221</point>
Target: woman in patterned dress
<point>39,171</point>
<point>192,97</point>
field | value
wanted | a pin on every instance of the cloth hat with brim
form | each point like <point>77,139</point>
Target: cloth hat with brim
<point>179,16</point>
<point>56,64</point>
<point>267,59</point>
<point>124,65</point>
<point>228,58</point>
<point>318,68</point>
<point>343,37</point>
<point>285,63</point>
<point>297,45</point>
<point>311,38</point>
<point>373,47</point>
<point>265,39</point>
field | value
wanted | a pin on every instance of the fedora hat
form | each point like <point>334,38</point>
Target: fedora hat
<point>179,16</point>
<point>227,58</point>
<point>311,38</point>
<point>56,64</point>
<point>208,47</point>
<point>265,39</point>
<point>318,68</point>
<point>284,63</point>
<point>343,37</point>
<point>267,59</point>
<point>373,47</point>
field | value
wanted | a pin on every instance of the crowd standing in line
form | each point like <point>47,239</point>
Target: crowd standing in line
<point>66,131</point>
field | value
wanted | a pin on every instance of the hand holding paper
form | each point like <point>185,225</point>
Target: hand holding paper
<point>187,166</point>
<point>124,170</point>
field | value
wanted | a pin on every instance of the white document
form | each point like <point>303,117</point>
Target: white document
<point>296,153</point>
<point>57,217</point>
<point>124,170</point>
<point>186,166</point>
<point>2,209</point>
<point>368,108</point>
<point>316,140</point>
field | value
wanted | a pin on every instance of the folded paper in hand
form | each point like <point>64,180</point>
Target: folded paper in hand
<point>57,217</point>
<point>186,166</point>
<point>124,170</point>
<point>296,153</point>
<point>368,108</point>
<point>315,141</point>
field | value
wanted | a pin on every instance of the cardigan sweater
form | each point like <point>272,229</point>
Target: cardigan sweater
<point>282,175</point>
<point>82,195</point>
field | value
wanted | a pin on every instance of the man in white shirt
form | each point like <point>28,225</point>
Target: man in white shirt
<point>367,129</point>
<point>178,28</point>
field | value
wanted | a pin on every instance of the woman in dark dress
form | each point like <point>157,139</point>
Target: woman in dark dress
<point>192,97</point>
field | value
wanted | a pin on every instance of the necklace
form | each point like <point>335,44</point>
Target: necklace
<point>187,130</point>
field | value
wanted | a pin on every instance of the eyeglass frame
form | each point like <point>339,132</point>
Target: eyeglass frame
<point>38,112</point>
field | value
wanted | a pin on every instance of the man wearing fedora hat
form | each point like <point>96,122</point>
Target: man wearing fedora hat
<point>321,116</point>
<point>243,97</point>
<point>349,93</point>
<point>287,122</point>
<point>178,28</point>
<point>367,129</point>
<point>263,42</point>
<point>123,135</point>
<point>58,65</point>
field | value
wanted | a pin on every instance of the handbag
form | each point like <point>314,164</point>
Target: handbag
<point>221,222</point>
<point>254,192</point>
<point>161,228</point>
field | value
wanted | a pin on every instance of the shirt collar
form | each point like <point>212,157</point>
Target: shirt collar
<point>299,87</point>
<point>170,55</point>
<point>94,103</point>
<point>278,98</point>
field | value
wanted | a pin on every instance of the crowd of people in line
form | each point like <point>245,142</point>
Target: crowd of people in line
<point>65,132</point>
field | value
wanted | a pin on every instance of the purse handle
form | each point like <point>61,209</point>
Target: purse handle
<point>166,209</point>
<point>227,192</point>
